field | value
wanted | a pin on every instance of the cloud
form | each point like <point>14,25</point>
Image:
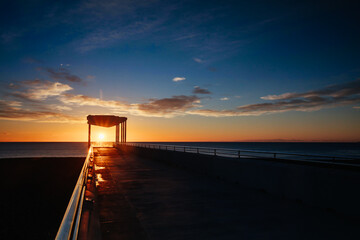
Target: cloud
<point>114,21</point>
<point>198,90</point>
<point>224,99</point>
<point>176,105</point>
<point>328,97</point>
<point>32,82</point>
<point>40,90</point>
<point>212,69</point>
<point>31,60</point>
<point>335,91</point>
<point>184,37</point>
<point>11,111</point>
<point>83,100</point>
<point>178,79</point>
<point>61,74</point>
<point>102,38</point>
<point>60,108</point>
<point>165,107</point>
<point>198,60</point>
<point>10,104</point>
<point>90,77</point>
<point>10,36</point>
<point>214,113</point>
<point>278,97</point>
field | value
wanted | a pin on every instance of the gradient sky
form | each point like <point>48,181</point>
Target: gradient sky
<point>181,70</point>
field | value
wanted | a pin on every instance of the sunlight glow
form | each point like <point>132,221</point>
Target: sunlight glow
<point>101,136</point>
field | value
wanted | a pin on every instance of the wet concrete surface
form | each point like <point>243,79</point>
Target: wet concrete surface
<point>143,199</point>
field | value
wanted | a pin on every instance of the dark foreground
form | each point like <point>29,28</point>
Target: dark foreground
<point>143,199</point>
<point>34,195</point>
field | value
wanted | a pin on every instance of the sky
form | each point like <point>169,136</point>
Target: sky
<point>181,70</point>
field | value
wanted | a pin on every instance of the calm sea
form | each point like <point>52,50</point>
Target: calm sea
<point>79,149</point>
<point>42,149</point>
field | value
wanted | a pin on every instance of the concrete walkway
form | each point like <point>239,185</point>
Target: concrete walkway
<point>143,199</point>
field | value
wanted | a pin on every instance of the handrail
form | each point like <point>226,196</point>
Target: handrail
<point>240,153</point>
<point>70,223</point>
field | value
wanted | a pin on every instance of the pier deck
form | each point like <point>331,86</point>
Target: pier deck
<point>143,199</point>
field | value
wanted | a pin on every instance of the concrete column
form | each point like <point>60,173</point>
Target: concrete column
<point>89,136</point>
<point>117,135</point>
<point>122,132</point>
<point>125,132</point>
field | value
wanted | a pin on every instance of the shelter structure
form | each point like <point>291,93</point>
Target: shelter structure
<point>108,121</point>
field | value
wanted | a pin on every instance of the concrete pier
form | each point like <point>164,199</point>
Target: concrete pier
<point>140,198</point>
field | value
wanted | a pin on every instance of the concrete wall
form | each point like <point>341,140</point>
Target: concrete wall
<point>323,185</point>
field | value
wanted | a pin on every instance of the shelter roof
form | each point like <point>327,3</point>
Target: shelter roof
<point>105,120</point>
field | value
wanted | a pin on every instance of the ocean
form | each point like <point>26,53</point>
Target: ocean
<point>79,149</point>
<point>42,149</point>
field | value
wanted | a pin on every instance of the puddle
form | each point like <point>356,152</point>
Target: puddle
<point>98,167</point>
<point>99,177</point>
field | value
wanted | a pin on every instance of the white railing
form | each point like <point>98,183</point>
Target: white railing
<point>69,227</point>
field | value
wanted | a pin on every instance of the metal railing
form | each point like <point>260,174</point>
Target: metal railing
<point>69,226</point>
<point>239,153</point>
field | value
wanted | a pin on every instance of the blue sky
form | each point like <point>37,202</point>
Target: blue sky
<point>62,60</point>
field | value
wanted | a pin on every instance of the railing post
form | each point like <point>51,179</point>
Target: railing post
<point>239,154</point>
<point>184,149</point>
<point>165,147</point>
<point>274,155</point>
<point>214,152</point>
<point>197,150</point>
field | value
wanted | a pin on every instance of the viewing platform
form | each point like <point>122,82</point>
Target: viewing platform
<point>143,199</point>
<point>139,191</point>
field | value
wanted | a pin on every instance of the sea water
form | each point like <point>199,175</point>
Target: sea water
<point>79,149</point>
<point>42,149</point>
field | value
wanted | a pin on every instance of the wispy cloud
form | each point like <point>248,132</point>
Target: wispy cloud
<point>188,36</point>
<point>11,111</point>
<point>198,60</point>
<point>60,108</point>
<point>199,90</point>
<point>178,79</point>
<point>83,100</point>
<point>212,69</point>
<point>167,107</point>
<point>329,97</point>
<point>10,36</point>
<point>61,74</point>
<point>31,60</point>
<point>224,99</point>
<point>113,21</point>
<point>101,38</point>
<point>40,90</point>
<point>333,91</point>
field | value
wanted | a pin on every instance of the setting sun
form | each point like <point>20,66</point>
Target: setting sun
<point>101,136</point>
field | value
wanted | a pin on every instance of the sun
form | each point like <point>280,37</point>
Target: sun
<point>101,136</point>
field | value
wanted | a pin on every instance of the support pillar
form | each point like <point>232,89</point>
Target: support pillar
<point>121,132</point>
<point>117,135</point>
<point>125,132</point>
<point>89,136</point>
